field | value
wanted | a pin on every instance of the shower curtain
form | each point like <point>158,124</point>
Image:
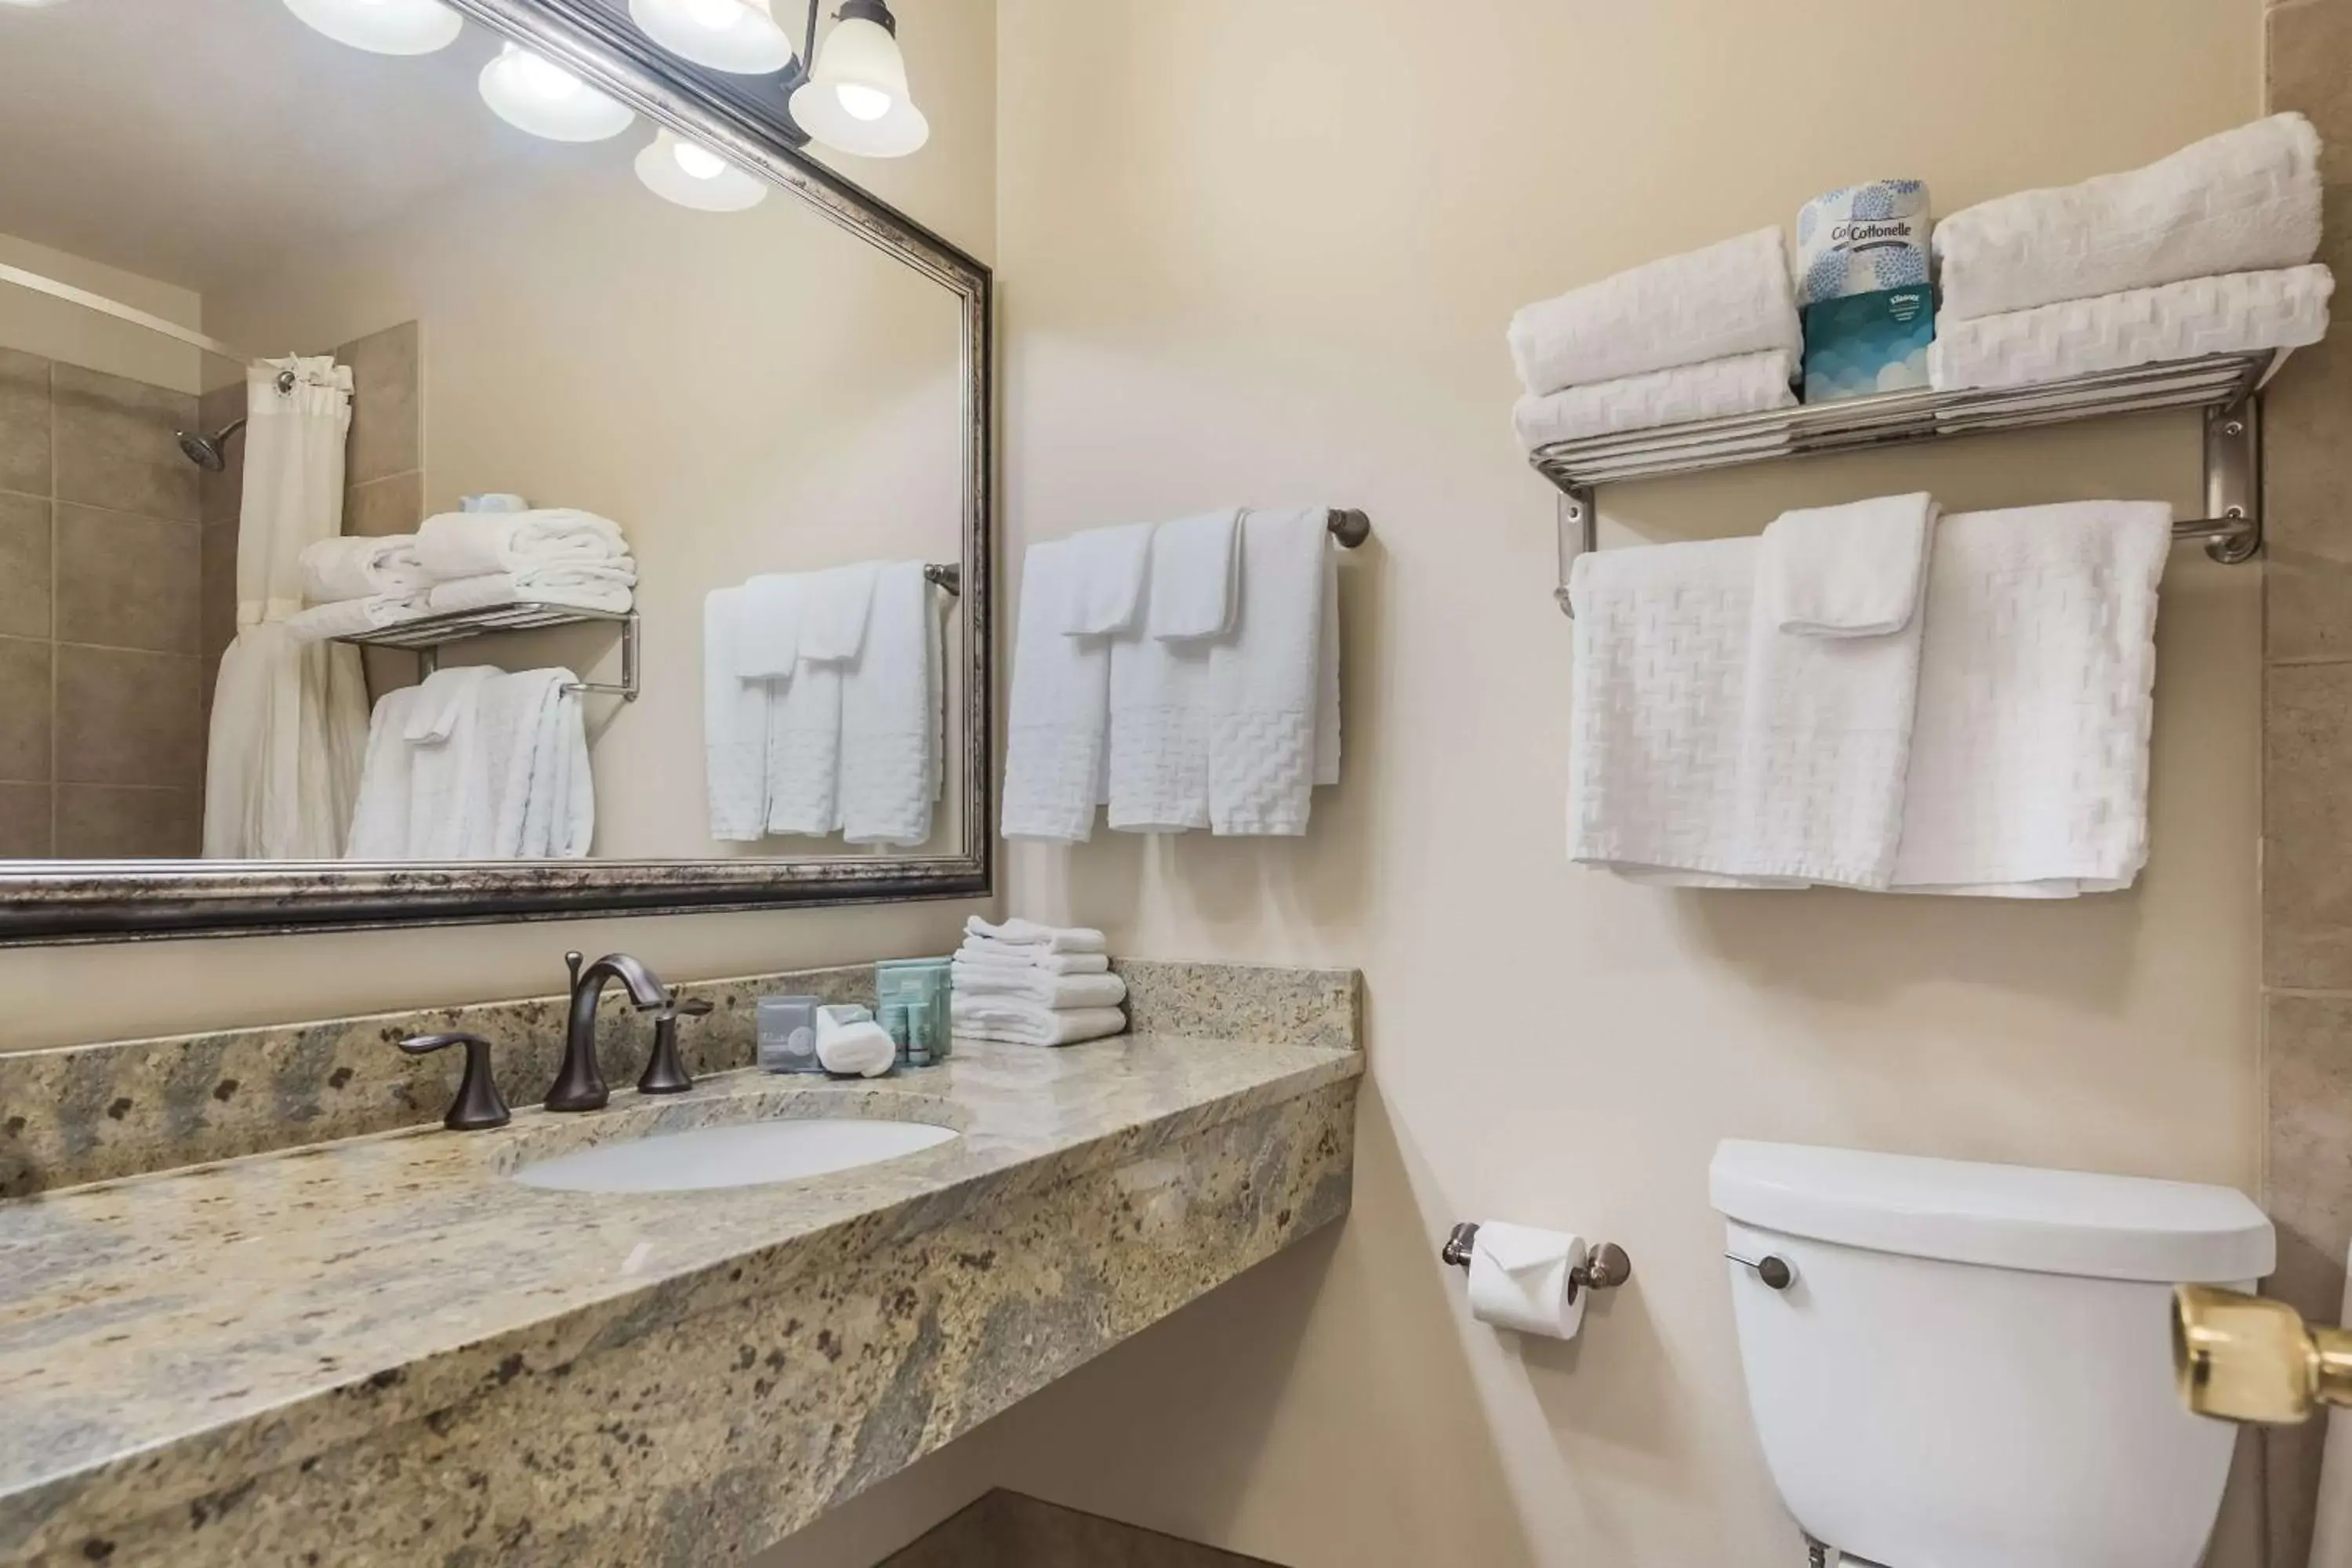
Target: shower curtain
<point>289,720</point>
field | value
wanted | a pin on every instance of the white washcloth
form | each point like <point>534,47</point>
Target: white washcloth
<point>888,716</point>
<point>2029,756</point>
<point>1744,384</point>
<point>353,617</point>
<point>768,625</point>
<point>734,727</point>
<point>1054,741</point>
<point>1027,1024</point>
<point>380,818</point>
<point>1034,937</point>
<point>1845,571</point>
<point>2239,312</point>
<point>1018,955</point>
<point>1267,688</point>
<point>1733,297</point>
<point>1107,579</point>
<point>2244,201</point>
<point>857,1047</point>
<point>357,566</point>
<point>1195,583</point>
<point>804,751</point>
<point>452,544</point>
<point>833,612</point>
<point>1038,985</point>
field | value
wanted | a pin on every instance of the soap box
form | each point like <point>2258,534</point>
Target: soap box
<point>1866,344</point>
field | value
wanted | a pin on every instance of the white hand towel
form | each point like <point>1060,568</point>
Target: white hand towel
<point>508,714</point>
<point>1327,677</point>
<point>1195,575</point>
<point>1028,985</point>
<point>1266,686</point>
<point>734,727</point>
<point>358,567</point>
<point>2239,312</point>
<point>452,544</point>
<point>1845,571</point>
<point>887,716</point>
<point>353,617</point>
<point>558,821</point>
<point>804,752</point>
<point>449,798</point>
<point>2029,756</point>
<point>2244,201</point>
<point>1733,297</point>
<point>1107,579</point>
<point>1006,954</point>
<point>445,698</point>
<point>834,611</point>
<point>1156,776</point>
<point>1030,935</point>
<point>768,625</point>
<point>1027,1024</point>
<point>862,1048</point>
<point>1054,741</point>
<point>380,818</point>
<point>1743,384</point>
<point>598,585</point>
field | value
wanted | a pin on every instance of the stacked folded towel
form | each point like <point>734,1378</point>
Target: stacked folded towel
<point>1034,984</point>
<point>1696,336</point>
<point>2208,251</point>
<point>464,561</point>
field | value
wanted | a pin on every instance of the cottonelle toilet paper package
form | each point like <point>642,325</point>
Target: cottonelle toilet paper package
<point>1863,289</point>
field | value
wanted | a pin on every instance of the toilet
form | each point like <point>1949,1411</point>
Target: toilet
<point>1955,1365</point>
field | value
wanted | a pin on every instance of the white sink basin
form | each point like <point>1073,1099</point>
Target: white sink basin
<point>747,1156</point>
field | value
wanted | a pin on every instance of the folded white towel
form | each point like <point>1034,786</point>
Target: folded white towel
<point>1845,571</point>
<point>1028,955</point>
<point>1034,937</point>
<point>835,610</point>
<point>356,567</point>
<point>558,816</point>
<point>804,751</point>
<point>1195,575</point>
<point>851,1045</point>
<point>449,794</point>
<point>2244,201</point>
<point>353,617</point>
<point>1743,384</point>
<point>1265,681</point>
<point>2029,756</point>
<point>973,978</point>
<point>1733,297</point>
<point>600,586</point>
<point>1027,1024</point>
<point>1157,771</point>
<point>380,816</point>
<point>768,625</point>
<point>1054,741</point>
<point>452,544</point>
<point>734,727</point>
<point>2239,312</point>
<point>888,716</point>
<point>1107,577</point>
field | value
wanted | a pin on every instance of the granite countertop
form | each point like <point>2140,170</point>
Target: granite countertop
<point>168,1335</point>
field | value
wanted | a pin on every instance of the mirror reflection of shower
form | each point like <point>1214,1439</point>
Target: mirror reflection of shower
<point>209,453</point>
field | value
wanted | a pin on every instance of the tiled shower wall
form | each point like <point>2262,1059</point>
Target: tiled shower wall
<point>2307,769</point>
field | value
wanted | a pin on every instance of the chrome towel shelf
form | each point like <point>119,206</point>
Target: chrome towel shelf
<point>2226,386</point>
<point>426,635</point>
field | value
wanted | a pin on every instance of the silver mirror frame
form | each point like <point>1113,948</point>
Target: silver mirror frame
<point>132,900</point>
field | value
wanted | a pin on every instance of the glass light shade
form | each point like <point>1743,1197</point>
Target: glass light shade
<point>533,93</point>
<point>726,35</point>
<point>381,27</point>
<point>855,100</point>
<point>692,176</point>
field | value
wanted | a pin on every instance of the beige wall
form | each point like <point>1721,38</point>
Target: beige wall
<point>53,328</point>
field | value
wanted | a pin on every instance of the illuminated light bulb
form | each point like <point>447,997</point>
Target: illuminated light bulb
<point>855,99</point>
<point>739,36</point>
<point>699,162</point>
<point>379,27</point>
<point>694,176</point>
<point>865,103</point>
<point>533,93</point>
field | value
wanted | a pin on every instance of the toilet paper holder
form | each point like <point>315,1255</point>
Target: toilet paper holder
<point>1604,1267</point>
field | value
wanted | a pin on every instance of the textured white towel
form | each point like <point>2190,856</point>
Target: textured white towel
<point>1157,769</point>
<point>1029,985</point>
<point>598,586</point>
<point>352,617</point>
<point>1034,936</point>
<point>448,793</point>
<point>2029,757</point>
<point>768,625</point>
<point>559,817</point>
<point>357,566</point>
<point>1027,1024</point>
<point>452,544</point>
<point>833,612</point>
<point>526,764</point>
<point>1054,741</point>
<point>1744,384</point>
<point>804,751</point>
<point>1107,577</point>
<point>2239,312</point>
<point>1005,954</point>
<point>1266,690</point>
<point>1845,571</point>
<point>1195,575</point>
<point>1733,297</point>
<point>380,818</point>
<point>888,716</point>
<point>2244,201</point>
<point>734,727</point>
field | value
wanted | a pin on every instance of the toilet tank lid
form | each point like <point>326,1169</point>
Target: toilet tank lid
<point>2004,1216</point>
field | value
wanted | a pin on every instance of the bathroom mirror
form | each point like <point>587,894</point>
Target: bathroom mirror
<point>535,360</point>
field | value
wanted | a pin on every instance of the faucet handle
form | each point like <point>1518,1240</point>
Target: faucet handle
<point>478,1104</point>
<point>664,1074</point>
<point>572,960</point>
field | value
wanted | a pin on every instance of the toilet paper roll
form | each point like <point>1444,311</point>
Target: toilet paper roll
<point>1518,1279</point>
<point>1861,239</point>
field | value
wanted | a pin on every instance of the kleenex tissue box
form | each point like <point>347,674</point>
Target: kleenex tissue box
<point>1868,343</point>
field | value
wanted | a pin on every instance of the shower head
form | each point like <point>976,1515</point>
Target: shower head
<point>210,453</point>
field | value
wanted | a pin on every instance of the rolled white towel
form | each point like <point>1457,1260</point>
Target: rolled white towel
<point>1733,297</point>
<point>1022,983</point>
<point>1744,384</point>
<point>452,544</point>
<point>1015,955</point>
<point>353,617</point>
<point>1029,934</point>
<point>852,1044</point>
<point>359,567</point>
<point>1028,1024</point>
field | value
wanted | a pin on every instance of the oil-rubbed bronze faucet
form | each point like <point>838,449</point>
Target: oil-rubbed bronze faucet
<point>2246,1358</point>
<point>578,1085</point>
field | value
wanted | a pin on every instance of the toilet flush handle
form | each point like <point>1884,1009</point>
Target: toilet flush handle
<point>1773,1271</point>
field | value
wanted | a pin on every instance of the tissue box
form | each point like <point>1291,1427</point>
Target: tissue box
<point>1868,343</point>
<point>1862,240</point>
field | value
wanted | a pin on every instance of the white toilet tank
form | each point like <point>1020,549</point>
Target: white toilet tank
<point>1971,1365</point>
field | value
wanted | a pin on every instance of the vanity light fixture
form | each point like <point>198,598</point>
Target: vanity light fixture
<point>531,92</point>
<point>740,35</point>
<point>692,176</point>
<point>379,27</point>
<point>855,99</point>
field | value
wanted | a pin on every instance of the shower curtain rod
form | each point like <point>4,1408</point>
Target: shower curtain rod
<point>137,318</point>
